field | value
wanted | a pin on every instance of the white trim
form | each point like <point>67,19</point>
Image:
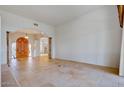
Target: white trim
<point>0,38</point>
<point>121,72</point>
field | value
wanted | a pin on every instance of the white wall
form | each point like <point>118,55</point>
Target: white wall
<point>94,38</point>
<point>11,22</point>
<point>0,42</point>
<point>0,51</point>
<point>122,55</point>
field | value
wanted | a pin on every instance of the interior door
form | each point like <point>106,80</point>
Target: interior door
<point>22,47</point>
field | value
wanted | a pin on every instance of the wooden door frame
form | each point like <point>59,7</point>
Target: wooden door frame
<point>49,47</point>
<point>7,38</point>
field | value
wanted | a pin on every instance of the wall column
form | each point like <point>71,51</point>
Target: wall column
<point>122,56</point>
<point>38,47</point>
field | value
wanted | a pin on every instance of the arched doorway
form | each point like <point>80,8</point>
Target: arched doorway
<point>22,47</point>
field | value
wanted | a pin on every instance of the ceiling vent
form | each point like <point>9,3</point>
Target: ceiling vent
<point>35,25</point>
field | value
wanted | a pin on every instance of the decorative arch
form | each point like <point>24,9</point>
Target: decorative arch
<point>22,47</point>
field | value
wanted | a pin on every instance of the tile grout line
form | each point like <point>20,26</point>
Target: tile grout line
<point>14,77</point>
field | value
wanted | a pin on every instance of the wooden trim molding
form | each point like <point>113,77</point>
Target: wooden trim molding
<point>7,38</point>
<point>121,14</point>
<point>50,46</point>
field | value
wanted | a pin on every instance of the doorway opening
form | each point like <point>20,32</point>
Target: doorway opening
<point>19,46</point>
<point>45,47</point>
<point>13,50</point>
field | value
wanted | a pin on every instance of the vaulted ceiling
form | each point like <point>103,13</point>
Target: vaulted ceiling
<point>50,14</point>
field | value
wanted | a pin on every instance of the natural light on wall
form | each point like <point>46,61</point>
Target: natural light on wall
<point>26,36</point>
<point>121,19</point>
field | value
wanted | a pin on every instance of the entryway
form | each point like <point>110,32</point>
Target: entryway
<point>27,45</point>
<point>22,47</point>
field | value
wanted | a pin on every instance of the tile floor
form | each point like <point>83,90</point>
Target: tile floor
<point>42,72</point>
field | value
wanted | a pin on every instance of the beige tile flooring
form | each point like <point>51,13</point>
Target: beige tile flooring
<point>42,72</point>
<point>7,78</point>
